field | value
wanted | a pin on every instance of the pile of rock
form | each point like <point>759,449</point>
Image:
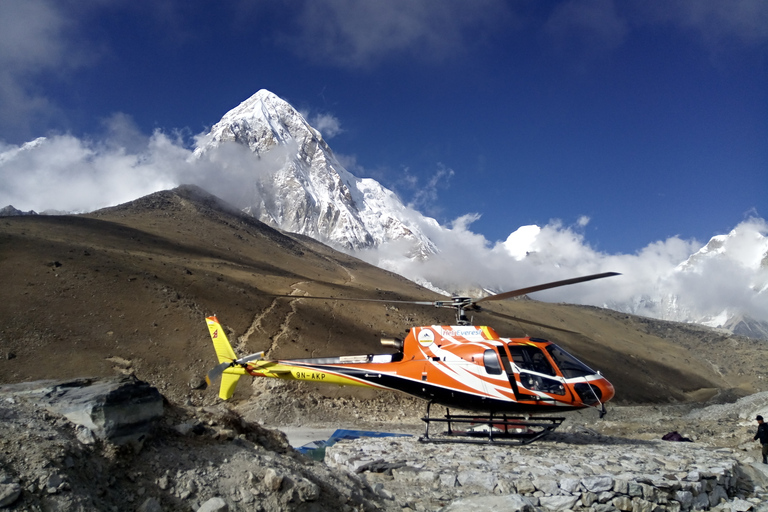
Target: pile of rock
<point>113,444</point>
<point>576,471</point>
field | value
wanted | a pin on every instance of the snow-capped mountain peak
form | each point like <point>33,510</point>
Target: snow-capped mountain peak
<point>307,190</point>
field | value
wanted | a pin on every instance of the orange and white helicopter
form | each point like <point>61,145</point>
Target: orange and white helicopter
<point>461,366</point>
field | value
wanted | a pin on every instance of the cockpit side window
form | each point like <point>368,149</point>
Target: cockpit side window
<point>533,363</point>
<point>531,358</point>
<point>491,362</point>
<point>569,365</point>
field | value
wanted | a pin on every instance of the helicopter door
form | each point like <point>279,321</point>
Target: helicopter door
<point>536,372</point>
<point>508,371</point>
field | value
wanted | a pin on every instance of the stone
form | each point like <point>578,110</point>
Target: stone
<point>685,498</point>
<point>693,476</point>
<point>700,502</point>
<point>674,506</point>
<point>570,485</point>
<point>480,479</point>
<point>717,494</point>
<point>272,480</point>
<point>150,505</point>
<point>634,489</point>
<point>622,503</point>
<point>665,484</point>
<point>547,486</point>
<point>382,491</point>
<point>588,498</point>
<point>525,486</point>
<point>739,505</point>
<point>9,493</point>
<point>597,483</point>
<point>426,476</point>
<point>558,503</point>
<point>508,503</point>
<point>216,504</point>
<point>120,410</point>
<point>649,492</point>
<point>53,482</point>
<point>307,490</point>
<point>405,473</point>
<point>605,496</point>
<point>447,479</point>
<point>641,505</point>
<point>621,486</point>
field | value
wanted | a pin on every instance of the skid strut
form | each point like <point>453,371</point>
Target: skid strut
<point>501,428</point>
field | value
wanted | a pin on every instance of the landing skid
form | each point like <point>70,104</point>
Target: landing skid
<point>501,429</point>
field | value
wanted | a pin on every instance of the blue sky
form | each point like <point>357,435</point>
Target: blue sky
<point>647,119</point>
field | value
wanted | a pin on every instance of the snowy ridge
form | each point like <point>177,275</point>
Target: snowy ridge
<point>722,285</point>
<point>298,185</point>
<point>308,191</point>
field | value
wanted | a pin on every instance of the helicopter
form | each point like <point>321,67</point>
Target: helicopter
<point>462,366</point>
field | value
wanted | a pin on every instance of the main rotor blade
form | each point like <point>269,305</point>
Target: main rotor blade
<point>416,302</point>
<point>523,320</point>
<point>547,286</point>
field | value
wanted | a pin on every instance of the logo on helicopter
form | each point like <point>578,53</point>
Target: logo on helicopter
<point>461,332</point>
<point>426,337</point>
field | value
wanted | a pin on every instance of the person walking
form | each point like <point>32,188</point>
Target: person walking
<point>762,436</point>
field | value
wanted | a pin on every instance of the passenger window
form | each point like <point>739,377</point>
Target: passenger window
<point>491,362</point>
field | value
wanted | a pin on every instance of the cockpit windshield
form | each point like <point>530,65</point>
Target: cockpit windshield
<point>569,366</point>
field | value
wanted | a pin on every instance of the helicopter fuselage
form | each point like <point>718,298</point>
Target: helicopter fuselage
<point>461,366</point>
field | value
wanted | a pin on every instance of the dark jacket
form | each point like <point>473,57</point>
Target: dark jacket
<point>762,433</point>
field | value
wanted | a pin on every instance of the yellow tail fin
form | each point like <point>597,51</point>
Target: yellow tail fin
<point>220,342</point>
<point>228,384</point>
<point>225,354</point>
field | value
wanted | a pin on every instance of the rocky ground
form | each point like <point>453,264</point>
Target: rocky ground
<point>213,458</point>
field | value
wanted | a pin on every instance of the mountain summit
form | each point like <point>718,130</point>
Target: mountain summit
<point>300,186</point>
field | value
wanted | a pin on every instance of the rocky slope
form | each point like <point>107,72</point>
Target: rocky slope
<point>126,289</point>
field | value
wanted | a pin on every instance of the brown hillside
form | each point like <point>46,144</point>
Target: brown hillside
<point>127,289</point>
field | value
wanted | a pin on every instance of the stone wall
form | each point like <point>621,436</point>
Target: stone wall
<point>562,472</point>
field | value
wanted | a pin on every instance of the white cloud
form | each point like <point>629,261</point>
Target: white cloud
<point>349,33</point>
<point>327,124</point>
<point>33,40</point>
<point>66,173</point>
<point>712,21</point>
<point>600,26</point>
<point>534,255</point>
<point>425,195</point>
<point>70,174</point>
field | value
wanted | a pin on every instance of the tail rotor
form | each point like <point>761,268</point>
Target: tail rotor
<point>215,374</point>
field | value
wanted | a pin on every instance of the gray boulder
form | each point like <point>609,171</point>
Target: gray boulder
<point>120,410</point>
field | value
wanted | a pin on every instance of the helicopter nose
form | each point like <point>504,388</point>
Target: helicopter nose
<point>594,391</point>
<point>608,390</point>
